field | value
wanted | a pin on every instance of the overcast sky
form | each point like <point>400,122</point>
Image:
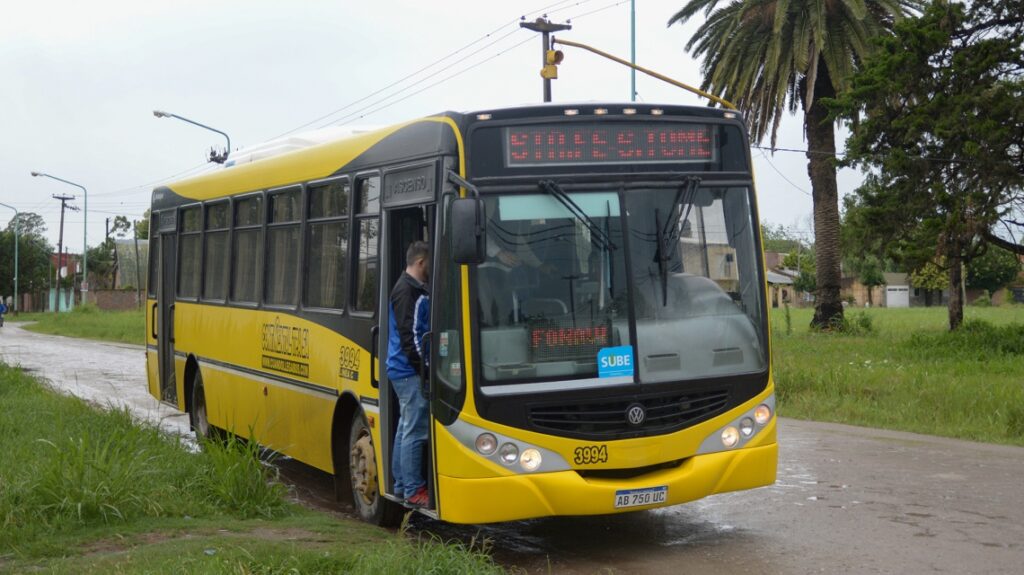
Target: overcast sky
<point>79,81</point>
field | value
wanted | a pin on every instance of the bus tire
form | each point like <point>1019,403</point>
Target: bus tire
<point>197,413</point>
<point>369,503</point>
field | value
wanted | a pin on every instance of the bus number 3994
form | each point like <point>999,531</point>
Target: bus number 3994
<point>591,454</point>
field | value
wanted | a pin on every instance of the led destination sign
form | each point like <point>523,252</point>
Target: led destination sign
<point>606,143</point>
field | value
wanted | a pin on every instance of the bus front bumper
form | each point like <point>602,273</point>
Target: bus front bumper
<point>569,493</point>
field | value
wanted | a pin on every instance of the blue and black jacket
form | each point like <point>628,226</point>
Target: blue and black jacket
<point>408,321</point>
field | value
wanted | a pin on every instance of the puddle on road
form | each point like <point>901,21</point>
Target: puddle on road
<point>603,539</point>
<point>562,542</point>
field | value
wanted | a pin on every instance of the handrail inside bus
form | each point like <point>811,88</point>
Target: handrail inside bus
<point>651,73</point>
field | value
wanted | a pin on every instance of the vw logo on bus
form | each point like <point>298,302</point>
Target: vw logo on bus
<point>635,414</point>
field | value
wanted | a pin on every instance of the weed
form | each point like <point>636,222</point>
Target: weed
<point>1015,422</point>
<point>856,323</point>
<point>984,300</point>
<point>426,555</point>
<point>90,322</point>
<point>236,478</point>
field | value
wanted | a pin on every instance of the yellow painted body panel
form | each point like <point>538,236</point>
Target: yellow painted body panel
<point>515,497</point>
<point>241,372</point>
<point>473,489</point>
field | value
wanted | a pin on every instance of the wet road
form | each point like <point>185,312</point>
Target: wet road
<point>847,500</point>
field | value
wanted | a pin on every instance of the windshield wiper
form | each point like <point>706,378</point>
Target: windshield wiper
<point>685,194</point>
<point>597,235</point>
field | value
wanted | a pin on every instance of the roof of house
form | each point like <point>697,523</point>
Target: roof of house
<point>777,278</point>
<point>896,279</point>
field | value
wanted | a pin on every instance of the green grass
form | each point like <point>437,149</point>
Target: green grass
<point>905,371</point>
<point>90,322</point>
<point>87,491</point>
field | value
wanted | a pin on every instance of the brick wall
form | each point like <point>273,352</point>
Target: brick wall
<point>110,299</point>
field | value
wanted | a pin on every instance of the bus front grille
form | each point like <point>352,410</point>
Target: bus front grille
<point>609,419</point>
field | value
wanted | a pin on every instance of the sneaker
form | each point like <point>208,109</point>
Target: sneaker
<point>420,499</point>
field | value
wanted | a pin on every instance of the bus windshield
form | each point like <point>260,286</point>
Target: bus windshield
<point>570,277</point>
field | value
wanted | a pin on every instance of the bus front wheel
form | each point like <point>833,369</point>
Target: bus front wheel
<point>369,502</point>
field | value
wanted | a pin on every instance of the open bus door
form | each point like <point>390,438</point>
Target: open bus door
<point>407,218</point>
<point>163,309</point>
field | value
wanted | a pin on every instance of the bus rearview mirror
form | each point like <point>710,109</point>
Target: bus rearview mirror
<point>468,231</point>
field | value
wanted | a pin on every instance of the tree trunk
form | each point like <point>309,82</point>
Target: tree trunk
<point>956,294</point>
<point>870,302</point>
<point>821,167</point>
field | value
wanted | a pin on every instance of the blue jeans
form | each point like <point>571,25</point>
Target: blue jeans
<point>407,454</point>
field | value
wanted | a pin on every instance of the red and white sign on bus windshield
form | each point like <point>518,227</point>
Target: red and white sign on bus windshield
<point>581,144</point>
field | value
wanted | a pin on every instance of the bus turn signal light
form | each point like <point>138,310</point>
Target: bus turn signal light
<point>762,414</point>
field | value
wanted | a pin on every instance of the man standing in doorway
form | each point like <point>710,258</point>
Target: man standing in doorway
<point>408,321</point>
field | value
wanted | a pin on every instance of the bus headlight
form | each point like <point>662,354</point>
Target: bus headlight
<point>530,460</point>
<point>762,414</point>
<point>486,443</point>
<point>508,453</point>
<point>730,436</point>
<point>747,426</point>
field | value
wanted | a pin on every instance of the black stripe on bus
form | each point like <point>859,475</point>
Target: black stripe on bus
<point>285,380</point>
<point>369,401</point>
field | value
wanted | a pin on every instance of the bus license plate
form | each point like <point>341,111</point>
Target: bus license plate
<point>639,497</point>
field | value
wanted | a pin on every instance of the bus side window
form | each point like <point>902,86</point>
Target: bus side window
<point>189,255</point>
<point>327,238</point>
<point>367,228</point>
<point>246,241</point>
<point>282,267</point>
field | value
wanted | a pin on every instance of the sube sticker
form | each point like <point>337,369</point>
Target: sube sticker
<point>615,361</point>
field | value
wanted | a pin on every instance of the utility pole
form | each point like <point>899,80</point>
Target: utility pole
<point>549,58</point>
<point>60,250</point>
<point>138,264</point>
<point>113,278</point>
<point>632,50</point>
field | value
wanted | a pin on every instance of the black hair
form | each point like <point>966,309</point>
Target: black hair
<point>417,250</point>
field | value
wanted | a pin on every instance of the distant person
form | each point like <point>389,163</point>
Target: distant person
<point>408,322</point>
<point>3,311</point>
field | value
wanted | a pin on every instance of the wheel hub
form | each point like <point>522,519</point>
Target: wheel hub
<point>364,469</point>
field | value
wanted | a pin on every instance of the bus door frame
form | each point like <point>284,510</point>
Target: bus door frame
<point>163,328</point>
<point>406,190</point>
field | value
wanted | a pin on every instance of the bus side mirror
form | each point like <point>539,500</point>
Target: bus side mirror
<point>468,231</point>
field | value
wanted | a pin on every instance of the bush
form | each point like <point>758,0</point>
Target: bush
<point>854,324</point>
<point>975,340</point>
<point>984,300</point>
<point>1015,422</point>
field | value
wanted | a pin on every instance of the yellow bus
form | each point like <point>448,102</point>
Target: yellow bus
<point>599,338</point>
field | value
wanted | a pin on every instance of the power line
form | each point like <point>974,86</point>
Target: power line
<point>790,182</point>
<point>423,69</point>
<point>843,154</point>
<point>345,119</point>
<point>584,15</point>
<point>459,73</point>
<point>355,115</point>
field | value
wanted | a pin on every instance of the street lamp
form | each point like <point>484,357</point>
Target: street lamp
<point>85,223</point>
<point>214,157</point>
<point>17,224</point>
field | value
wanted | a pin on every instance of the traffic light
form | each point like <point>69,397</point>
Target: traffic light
<point>552,58</point>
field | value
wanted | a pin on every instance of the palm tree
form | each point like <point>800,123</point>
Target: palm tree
<point>773,56</point>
